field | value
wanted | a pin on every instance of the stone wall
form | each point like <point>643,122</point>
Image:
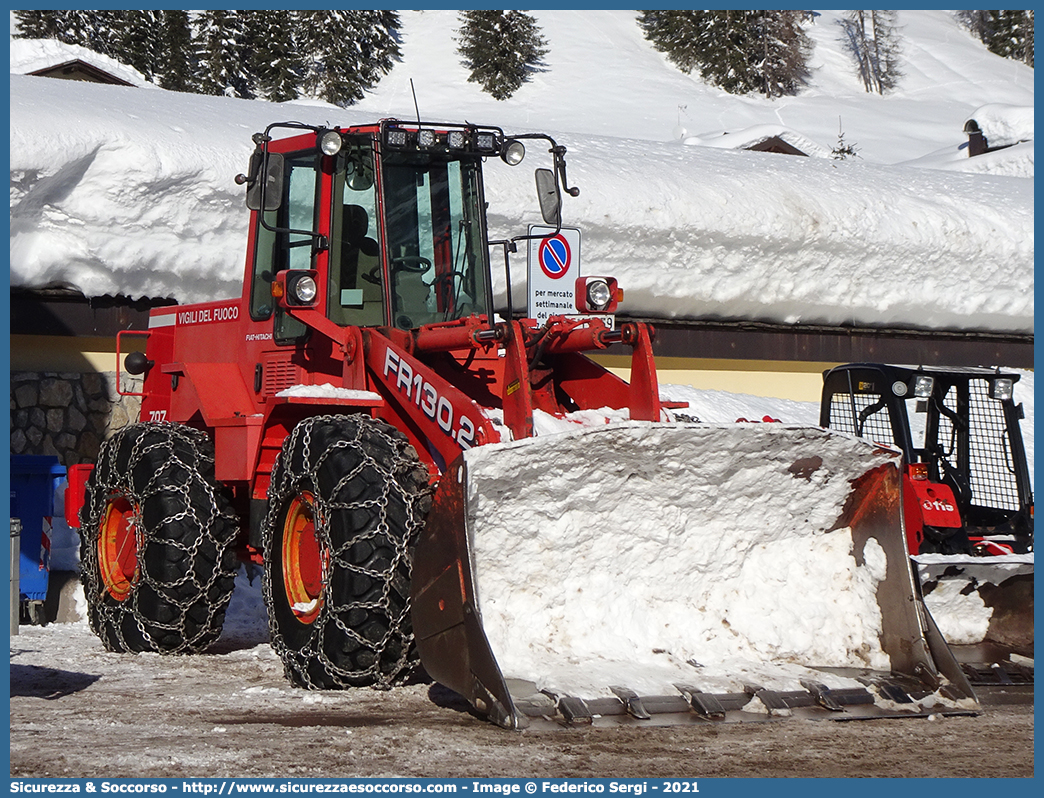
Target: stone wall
<point>69,414</point>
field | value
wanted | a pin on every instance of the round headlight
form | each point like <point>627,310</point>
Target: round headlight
<point>305,290</point>
<point>513,153</point>
<point>330,143</point>
<point>598,294</point>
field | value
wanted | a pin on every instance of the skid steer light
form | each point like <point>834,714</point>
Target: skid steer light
<point>330,142</point>
<point>597,294</point>
<point>296,288</point>
<point>923,385</point>
<point>456,140</point>
<point>513,152</point>
<point>395,137</point>
<point>485,142</point>
<point>1002,388</point>
<point>919,471</point>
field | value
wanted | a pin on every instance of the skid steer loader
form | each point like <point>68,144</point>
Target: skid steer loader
<point>968,504</point>
<point>362,423</point>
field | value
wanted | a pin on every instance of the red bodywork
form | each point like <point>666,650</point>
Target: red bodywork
<point>926,504</point>
<point>214,368</point>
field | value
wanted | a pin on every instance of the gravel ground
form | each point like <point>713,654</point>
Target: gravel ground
<point>78,711</point>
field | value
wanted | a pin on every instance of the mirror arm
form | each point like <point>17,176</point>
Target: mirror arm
<point>559,152</point>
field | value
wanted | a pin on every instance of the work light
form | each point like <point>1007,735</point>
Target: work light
<point>597,294</point>
<point>923,385</point>
<point>513,152</point>
<point>330,142</point>
<point>1001,388</point>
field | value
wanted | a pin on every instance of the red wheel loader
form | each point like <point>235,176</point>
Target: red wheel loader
<point>362,422</point>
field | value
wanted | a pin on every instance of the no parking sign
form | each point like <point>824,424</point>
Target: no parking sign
<point>554,265</point>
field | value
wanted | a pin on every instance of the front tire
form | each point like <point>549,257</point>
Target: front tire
<point>158,562</point>
<point>347,499</point>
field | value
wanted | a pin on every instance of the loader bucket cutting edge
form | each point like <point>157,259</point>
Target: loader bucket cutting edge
<point>663,573</point>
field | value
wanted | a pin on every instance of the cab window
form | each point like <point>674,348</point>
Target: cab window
<point>276,251</point>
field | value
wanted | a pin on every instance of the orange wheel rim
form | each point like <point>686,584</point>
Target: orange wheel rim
<point>304,560</point>
<point>118,549</point>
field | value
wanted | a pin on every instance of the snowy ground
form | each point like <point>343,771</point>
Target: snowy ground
<point>124,190</point>
<point>78,711</point>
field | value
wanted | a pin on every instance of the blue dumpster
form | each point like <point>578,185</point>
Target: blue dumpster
<point>34,480</point>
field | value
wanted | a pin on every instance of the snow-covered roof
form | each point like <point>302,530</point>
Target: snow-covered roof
<point>32,55</point>
<point>749,138</point>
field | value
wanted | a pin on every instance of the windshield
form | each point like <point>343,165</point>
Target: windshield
<point>434,235</point>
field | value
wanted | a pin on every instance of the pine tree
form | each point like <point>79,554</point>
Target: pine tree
<point>843,150</point>
<point>38,24</point>
<point>785,52</point>
<point>225,45</point>
<point>275,60</point>
<point>501,48</point>
<point>872,38</point>
<point>347,52</point>
<point>140,42</point>
<point>1006,33</point>
<point>178,56</point>
<point>738,51</point>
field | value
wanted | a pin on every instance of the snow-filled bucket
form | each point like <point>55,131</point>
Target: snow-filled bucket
<point>639,565</point>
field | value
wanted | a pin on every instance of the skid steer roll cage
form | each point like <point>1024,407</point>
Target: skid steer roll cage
<point>975,446</point>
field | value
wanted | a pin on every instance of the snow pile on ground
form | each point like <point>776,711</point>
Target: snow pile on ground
<point>645,555</point>
<point>118,190</point>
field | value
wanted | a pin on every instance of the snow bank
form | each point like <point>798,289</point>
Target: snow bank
<point>137,197</point>
<point>647,555</point>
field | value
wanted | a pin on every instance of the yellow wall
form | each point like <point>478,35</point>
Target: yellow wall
<point>801,381</point>
<point>61,353</point>
<point>797,380</point>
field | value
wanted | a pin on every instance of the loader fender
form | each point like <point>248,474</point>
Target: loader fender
<point>615,566</point>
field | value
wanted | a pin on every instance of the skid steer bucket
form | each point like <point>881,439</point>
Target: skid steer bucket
<point>678,573</point>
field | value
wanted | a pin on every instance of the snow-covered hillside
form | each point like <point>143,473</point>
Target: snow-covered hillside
<point>119,190</point>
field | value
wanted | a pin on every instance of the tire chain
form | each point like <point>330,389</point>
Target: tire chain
<point>403,472</point>
<point>199,501</point>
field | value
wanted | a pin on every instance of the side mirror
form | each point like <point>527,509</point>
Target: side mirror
<point>273,182</point>
<point>547,195</point>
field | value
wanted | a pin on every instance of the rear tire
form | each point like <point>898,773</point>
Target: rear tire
<point>347,499</point>
<point>158,562</point>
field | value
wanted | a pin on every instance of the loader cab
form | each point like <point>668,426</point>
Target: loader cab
<point>392,224</point>
<point>955,427</point>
